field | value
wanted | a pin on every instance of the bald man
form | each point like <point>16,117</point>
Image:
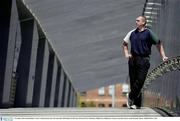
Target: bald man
<point>141,40</point>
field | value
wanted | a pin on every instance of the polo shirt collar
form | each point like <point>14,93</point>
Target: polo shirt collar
<point>140,31</point>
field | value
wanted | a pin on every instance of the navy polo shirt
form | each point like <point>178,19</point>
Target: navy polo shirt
<point>141,41</point>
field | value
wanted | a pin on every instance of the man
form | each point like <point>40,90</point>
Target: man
<point>141,40</point>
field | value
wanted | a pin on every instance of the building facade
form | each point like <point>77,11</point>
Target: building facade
<point>104,96</point>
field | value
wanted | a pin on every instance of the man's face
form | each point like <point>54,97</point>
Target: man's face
<point>140,22</point>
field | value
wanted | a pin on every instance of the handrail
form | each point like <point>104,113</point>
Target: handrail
<point>170,65</point>
<point>151,11</point>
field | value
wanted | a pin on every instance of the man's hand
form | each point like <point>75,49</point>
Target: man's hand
<point>161,51</point>
<point>128,56</point>
<point>125,49</point>
<point>165,58</point>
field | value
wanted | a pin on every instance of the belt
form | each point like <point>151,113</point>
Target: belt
<point>141,57</point>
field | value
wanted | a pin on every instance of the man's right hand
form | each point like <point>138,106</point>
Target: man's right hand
<point>128,56</point>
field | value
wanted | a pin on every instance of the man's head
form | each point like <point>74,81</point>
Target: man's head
<point>140,21</point>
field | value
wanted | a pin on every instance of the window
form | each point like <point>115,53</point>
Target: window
<point>101,91</point>
<point>125,88</point>
<point>101,105</point>
<point>111,90</point>
<point>110,105</point>
<point>83,93</point>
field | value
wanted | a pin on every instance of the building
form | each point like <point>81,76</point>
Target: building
<point>103,97</point>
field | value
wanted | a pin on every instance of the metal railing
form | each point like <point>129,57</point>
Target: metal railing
<point>171,64</point>
<point>151,11</point>
<point>161,88</point>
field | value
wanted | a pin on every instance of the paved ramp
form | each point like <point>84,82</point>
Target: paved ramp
<point>79,112</point>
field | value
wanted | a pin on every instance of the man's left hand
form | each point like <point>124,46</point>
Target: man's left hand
<point>165,59</point>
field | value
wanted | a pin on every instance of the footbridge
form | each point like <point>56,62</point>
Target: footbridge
<point>51,50</point>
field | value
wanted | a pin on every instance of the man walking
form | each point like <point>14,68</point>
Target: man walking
<point>141,40</point>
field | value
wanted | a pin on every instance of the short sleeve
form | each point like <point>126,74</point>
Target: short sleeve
<point>127,37</point>
<point>154,37</point>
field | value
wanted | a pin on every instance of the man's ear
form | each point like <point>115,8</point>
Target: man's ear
<point>144,23</point>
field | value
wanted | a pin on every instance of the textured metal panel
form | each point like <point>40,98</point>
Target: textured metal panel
<point>53,86</point>
<point>58,79</point>
<point>5,13</point>
<point>66,98</point>
<point>49,79</point>
<point>39,72</point>
<point>75,100</point>
<point>13,28</point>
<point>31,79</point>
<point>87,35</point>
<point>30,67</point>
<point>71,97</point>
<point>165,89</point>
<point>44,75</point>
<point>61,89</point>
<point>24,68</point>
<point>64,91</point>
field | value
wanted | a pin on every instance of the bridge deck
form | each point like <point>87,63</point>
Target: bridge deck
<point>79,112</point>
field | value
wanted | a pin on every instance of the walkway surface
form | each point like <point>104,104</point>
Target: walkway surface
<point>78,112</point>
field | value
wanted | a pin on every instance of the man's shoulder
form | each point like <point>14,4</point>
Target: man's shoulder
<point>127,37</point>
<point>148,30</point>
<point>131,31</point>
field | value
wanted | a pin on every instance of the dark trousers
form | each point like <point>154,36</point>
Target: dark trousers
<point>138,69</point>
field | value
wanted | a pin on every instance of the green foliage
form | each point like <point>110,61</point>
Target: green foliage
<point>87,104</point>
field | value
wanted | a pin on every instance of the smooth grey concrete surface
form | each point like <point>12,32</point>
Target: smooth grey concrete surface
<point>79,112</point>
<point>87,35</point>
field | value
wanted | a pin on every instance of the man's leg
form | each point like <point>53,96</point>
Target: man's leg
<point>142,65</point>
<point>138,101</point>
<point>132,76</point>
<point>132,72</point>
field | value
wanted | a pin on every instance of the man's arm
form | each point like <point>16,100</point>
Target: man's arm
<point>161,51</point>
<point>126,51</point>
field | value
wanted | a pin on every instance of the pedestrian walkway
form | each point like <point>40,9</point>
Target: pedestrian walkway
<point>78,112</point>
